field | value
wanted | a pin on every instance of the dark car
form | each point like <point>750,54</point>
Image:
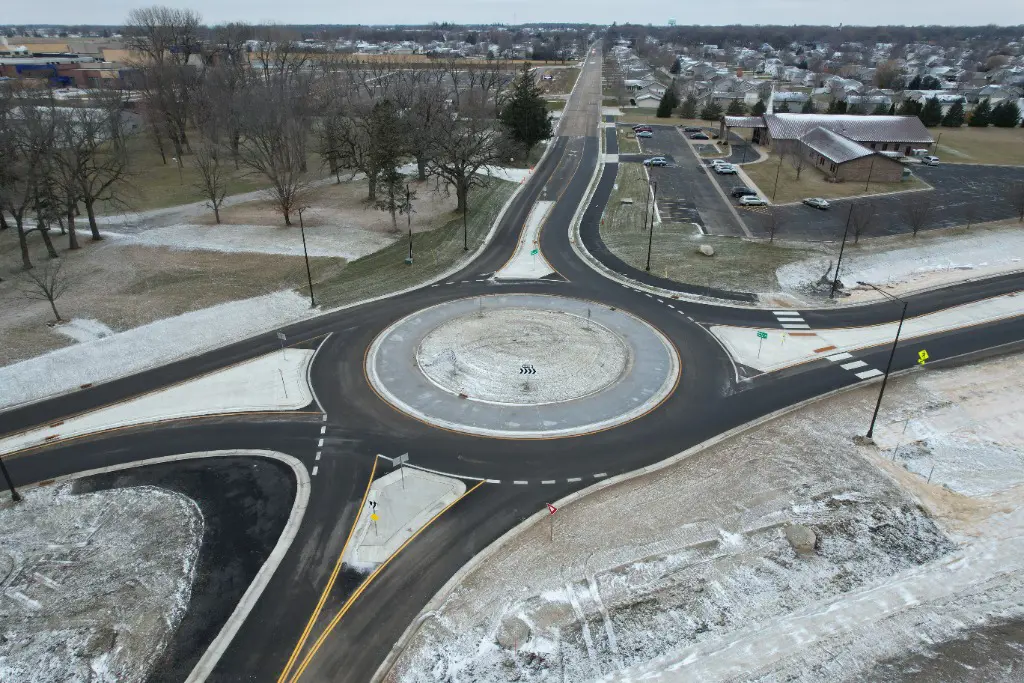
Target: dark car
<point>742,192</point>
<point>643,129</point>
<point>698,136</point>
<point>692,129</point>
<point>641,126</point>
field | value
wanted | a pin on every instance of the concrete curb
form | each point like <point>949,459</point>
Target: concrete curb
<point>206,664</point>
<point>430,609</point>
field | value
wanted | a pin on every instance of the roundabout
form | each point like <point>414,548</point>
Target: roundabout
<point>522,366</point>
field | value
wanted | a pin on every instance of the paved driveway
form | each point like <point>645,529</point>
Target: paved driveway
<point>963,193</point>
<point>685,192</point>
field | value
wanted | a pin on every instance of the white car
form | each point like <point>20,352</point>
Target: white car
<point>817,203</point>
<point>752,200</point>
<point>725,169</point>
<point>930,161</point>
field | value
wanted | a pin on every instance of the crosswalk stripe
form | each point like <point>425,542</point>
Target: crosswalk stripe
<point>796,327</point>
<point>835,357</point>
<point>854,365</point>
<point>868,374</point>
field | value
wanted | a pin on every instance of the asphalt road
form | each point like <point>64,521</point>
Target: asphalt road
<point>713,396</point>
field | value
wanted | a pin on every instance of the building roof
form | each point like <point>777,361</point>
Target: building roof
<point>852,126</point>
<point>833,146</point>
<point>744,122</point>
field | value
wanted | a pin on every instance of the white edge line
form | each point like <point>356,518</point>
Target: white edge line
<point>213,653</point>
<point>443,474</point>
<point>309,377</point>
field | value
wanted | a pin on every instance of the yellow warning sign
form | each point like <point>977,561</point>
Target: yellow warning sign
<point>374,517</point>
<point>922,356</point>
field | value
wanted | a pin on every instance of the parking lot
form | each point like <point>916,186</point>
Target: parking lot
<point>686,192</point>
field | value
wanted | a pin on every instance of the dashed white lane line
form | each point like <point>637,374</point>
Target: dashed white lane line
<point>573,480</point>
<point>323,430</point>
<point>660,301</point>
<point>316,468</point>
<point>449,283</point>
<point>521,483</point>
<point>868,374</point>
<point>433,285</point>
<point>600,475</point>
<point>548,481</point>
<point>493,481</point>
<point>648,295</point>
<point>320,444</point>
<point>481,280</point>
<point>802,326</point>
<point>672,307</point>
<point>854,365</point>
<point>318,455</point>
<point>836,357</point>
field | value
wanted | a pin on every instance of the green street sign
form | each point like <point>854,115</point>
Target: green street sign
<point>762,335</point>
<point>534,252</point>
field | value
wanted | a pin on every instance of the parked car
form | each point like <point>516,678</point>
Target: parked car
<point>548,77</point>
<point>645,134</point>
<point>817,203</point>
<point>719,162</point>
<point>725,169</point>
<point>699,136</point>
<point>644,129</point>
<point>741,191</point>
<point>641,126</point>
<point>930,161</point>
<point>656,161</point>
<point>693,129</point>
<point>752,200</point>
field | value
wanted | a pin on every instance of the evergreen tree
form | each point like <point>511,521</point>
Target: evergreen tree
<point>808,107</point>
<point>712,111</point>
<point>1006,114</point>
<point>783,107</point>
<point>881,109</point>
<point>669,101</point>
<point>525,114</point>
<point>909,107</point>
<point>759,108</point>
<point>915,84</point>
<point>736,108</point>
<point>855,109</point>
<point>688,110</point>
<point>674,70</point>
<point>833,107</point>
<point>931,112</point>
<point>892,109</point>
<point>930,83</point>
<point>954,118</point>
<point>981,116</point>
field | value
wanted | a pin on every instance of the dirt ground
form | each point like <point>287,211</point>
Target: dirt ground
<point>812,183</point>
<point>561,82</point>
<point>124,286</point>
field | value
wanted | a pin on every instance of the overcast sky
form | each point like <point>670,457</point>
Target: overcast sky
<point>909,12</point>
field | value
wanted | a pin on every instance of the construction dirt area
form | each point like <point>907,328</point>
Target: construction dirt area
<point>795,550</point>
<point>154,265</point>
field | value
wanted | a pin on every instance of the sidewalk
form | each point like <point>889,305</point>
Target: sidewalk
<point>403,501</point>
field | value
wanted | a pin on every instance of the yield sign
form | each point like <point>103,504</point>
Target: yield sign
<point>551,508</point>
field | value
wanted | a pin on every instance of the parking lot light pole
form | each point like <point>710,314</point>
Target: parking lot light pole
<point>408,217</point>
<point>777,172</point>
<point>15,496</point>
<point>647,203</point>
<point>309,275</point>
<point>870,169</point>
<point>835,281</point>
<point>892,353</point>
<point>650,235</point>
<point>465,224</point>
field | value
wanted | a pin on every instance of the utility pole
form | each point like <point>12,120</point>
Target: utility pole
<point>408,215</point>
<point>15,496</point>
<point>870,169</point>
<point>892,353</point>
<point>650,235</point>
<point>309,275</point>
<point>777,172</point>
<point>835,282</point>
<point>647,203</point>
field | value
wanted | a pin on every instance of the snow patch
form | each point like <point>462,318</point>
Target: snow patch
<point>84,329</point>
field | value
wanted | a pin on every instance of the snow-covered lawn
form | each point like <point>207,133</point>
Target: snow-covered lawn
<point>276,381</point>
<point>906,264</point>
<point>692,564</point>
<point>93,586</point>
<point>84,329</point>
<point>148,346</point>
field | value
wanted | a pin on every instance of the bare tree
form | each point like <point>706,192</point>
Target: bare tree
<point>798,161</point>
<point>461,146</point>
<point>103,158</point>
<point>273,143</point>
<point>422,97</point>
<point>862,219</point>
<point>916,210</point>
<point>773,220</point>
<point>213,177</point>
<point>48,285</point>
<point>1016,197</point>
<point>394,195</point>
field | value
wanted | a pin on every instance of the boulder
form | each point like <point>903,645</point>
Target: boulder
<point>706,249</point>
<point>512,632</point>
<point>801,538</point>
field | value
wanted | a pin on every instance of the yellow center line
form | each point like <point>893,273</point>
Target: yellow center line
<point>330,582</point>
<point>348,603</point>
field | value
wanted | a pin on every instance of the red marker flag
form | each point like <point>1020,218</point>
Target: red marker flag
<point>551,508</point>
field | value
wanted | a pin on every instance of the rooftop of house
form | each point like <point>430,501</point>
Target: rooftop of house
<point>854,127</point>
<point>834,146</point>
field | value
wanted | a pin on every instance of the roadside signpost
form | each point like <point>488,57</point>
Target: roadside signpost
<point>761,336</point>
<point>282,338</point>
<point>922,357</point>
<point>398,462</point>
<point>374,517</point>
<point>534,253</point>
<point>551,516</point>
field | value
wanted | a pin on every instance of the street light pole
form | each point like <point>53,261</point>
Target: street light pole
<point>647,203</point>
<point>408,216</point>
<point>650,235</point>
<point>465,224</point>
<point>892,354</point>
<point>309,275</point>
<point>15,496</point>
<point>870,169</point>
<point>777,172</point>
<point>835,282</point>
